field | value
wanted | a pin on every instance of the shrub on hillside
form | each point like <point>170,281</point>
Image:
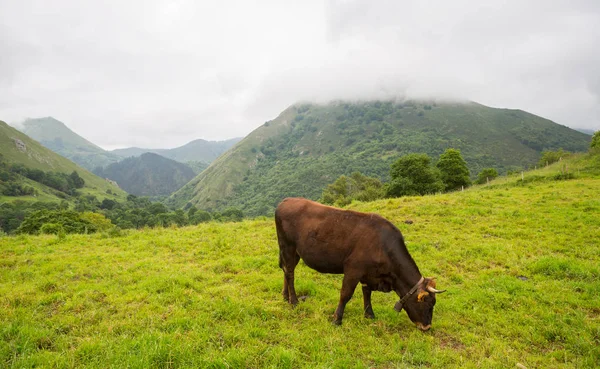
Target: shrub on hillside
<point>199,216</point>
<point>231,215</point>
<point>98,220</point>
<point>485,175</point>
<point>355,187</point>
<point>549,157</point>
<point>70,221</point>
<point>453,170</point>
<point>595,144</point>
<point>51,228</point>
<point>413,175</point>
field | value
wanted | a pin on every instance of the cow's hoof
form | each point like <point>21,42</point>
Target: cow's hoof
<point>337,322</point>
<point>369,315</point>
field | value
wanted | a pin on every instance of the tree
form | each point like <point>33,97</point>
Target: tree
<point>485,175</point>
<point>69,220</point>
<point>412,175</point>
<point>76,180</point>
<point>200,216</point>
<point>108,204</point>
<point>232,214</point>
<point>356,187</point>
<point>191,211</point>
<point>549,157</point>
<point>453,169</point>
<point>595,144</point>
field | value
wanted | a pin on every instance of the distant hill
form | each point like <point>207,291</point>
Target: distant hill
<point>17,148</point>
<point>148,175</point>
<point>56,136</point>
<point>586,131</point>
<point>197,150</point>
<point>308,146</point>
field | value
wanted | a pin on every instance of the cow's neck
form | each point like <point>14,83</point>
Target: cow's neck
<point>407,278</point>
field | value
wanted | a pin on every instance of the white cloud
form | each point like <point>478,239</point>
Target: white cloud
<point>161,73</point>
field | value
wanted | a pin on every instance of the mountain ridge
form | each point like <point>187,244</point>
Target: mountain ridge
<point>148,174</point>
<point>58,137</point>
<point>195,150</point>
<point>18,148</point>
<point>309,145</point>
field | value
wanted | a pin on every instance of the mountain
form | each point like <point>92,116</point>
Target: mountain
<point>18,148</point>
<point>148,175</point>
<point>586,131</point>
<point>197,150</point>
<point>308,146</point>
<point>56,136</point>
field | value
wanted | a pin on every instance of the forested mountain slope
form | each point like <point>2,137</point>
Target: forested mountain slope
<point>56,136</point>
<point>148,175</point>
<point>17,148</point>
<point>307,146</point>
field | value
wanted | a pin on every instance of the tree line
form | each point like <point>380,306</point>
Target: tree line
<point>11,180</point>
<point>89,215</point>
<point>410,175</point>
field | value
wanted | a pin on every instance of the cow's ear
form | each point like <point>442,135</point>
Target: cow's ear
<point>421,295</point>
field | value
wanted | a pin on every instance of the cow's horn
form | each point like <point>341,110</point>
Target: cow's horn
<point>433,290</point>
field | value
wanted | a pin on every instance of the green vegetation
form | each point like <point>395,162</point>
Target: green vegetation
<point>66,183</point>
<point>197,166</point>
<point>148,175</point>
<point>453,170</point>
<point>309,146</point>
<point>47,172</point>
<point>412,175</point>
<point>595,144</point>
<point>136,212</point>
<point>486,175</point>
<point>355,187</point>
<point>56,136</point>
<point>519,258</point>
<point>550,157</point>
<point>65,221</point>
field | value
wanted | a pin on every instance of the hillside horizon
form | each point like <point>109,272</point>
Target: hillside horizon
<point>312,143</point>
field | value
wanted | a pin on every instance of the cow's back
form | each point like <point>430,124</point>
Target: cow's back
<point>325,237</point>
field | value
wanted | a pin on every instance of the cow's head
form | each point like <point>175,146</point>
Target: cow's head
<point>419,306</point>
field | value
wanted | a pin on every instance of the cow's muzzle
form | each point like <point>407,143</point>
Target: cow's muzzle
<point>423,327</point>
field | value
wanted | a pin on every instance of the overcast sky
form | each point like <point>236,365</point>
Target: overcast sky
<point>159,74</point>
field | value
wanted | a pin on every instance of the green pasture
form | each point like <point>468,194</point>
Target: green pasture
<point>520,261</point>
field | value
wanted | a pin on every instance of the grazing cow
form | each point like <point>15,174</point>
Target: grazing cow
<point>366,248</point>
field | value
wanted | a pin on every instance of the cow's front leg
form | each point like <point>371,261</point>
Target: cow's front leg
<point>348,287</point>
<point>367,300</point>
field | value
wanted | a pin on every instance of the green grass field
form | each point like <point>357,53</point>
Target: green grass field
<point>520,261</point>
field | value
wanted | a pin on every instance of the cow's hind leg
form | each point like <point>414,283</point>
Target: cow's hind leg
<point>288,261</point>
<point>348,287</point>
<point>367,301</point>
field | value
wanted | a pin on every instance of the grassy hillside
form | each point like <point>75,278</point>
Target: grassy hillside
<point>308,146</point>
<point>520,261</point>
<point>148,175</point>
<point>56,136</point>
<point>16,147</point>
<point>197,150</point>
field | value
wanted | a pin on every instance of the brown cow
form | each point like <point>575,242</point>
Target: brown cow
<point>366,248</point>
